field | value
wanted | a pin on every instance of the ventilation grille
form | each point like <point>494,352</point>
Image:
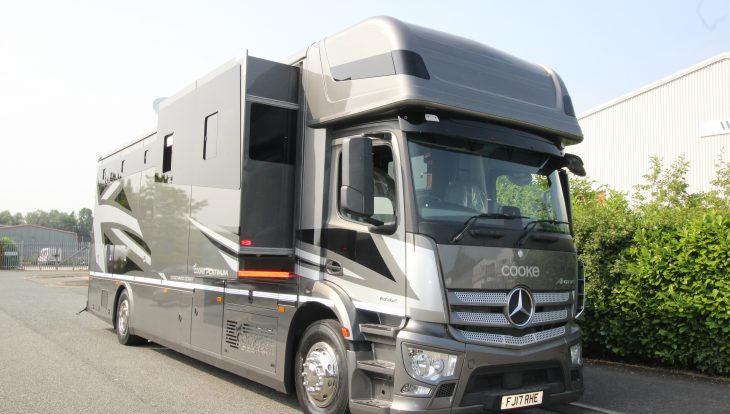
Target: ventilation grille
<point>498,298</point>
<point>231,334</point>
<point>500,339</point>
<point>445,390</point>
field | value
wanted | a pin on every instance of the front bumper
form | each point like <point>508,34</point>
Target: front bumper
<point>487,373</point>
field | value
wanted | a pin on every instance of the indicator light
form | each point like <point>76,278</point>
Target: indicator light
<point>267,274</point>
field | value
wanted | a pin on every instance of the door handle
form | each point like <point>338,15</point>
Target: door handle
<point>333,267</point>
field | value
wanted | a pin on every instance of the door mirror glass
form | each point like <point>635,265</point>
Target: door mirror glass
<point>383,209</point>
<point>356,190</point>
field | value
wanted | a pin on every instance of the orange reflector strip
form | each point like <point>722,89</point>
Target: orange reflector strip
<point>345,332</point>
<point>282,309</point>
<point>269,274</point>
<point>219,299</point>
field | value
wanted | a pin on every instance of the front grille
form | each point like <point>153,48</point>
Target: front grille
<point>501,339</point>
<point>551,297</point>
<point>482,297</point>
<point>480,316</point>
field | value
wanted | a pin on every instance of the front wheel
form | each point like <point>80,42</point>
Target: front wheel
<point>124,311</point>
<point>320,370</point>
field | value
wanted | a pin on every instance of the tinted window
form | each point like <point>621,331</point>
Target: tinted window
<point>273,132</point>
<point>167,154</point>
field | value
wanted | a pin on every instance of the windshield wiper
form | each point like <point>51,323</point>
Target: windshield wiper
<point>529,227</point>
<point>473,219</point>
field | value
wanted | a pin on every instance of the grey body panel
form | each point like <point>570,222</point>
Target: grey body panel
<point>207,319</point>
<point>425,300</point>
<point>464,76</point>
<point>171,238</point>
<point>491,268</point>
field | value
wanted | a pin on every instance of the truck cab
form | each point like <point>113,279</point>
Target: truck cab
<point>444,225</point>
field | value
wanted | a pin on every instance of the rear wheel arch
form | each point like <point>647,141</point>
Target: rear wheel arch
<point>123,323</point>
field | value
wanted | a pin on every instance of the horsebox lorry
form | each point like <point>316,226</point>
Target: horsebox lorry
<point>380,224</point>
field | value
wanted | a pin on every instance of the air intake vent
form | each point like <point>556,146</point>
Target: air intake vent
<point>231,334</point>
<point>445,390</point>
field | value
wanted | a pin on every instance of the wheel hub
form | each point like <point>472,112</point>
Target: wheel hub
<point>123,317</point>
<point>319,374</point>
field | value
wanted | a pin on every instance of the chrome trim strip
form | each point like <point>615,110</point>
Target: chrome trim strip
<point>188,285</point>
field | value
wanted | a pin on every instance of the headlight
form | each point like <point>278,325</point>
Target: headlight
<point>576,355</point>
<point>429,365</point>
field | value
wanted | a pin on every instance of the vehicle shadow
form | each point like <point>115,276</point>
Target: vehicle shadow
<point>289,400</point>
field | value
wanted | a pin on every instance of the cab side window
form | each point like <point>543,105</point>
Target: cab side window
<point>384,200</point>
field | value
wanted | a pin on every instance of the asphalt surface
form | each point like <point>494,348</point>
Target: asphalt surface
<point>54,361</point>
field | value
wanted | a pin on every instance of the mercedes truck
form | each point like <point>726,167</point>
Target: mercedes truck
<point>380,224</point>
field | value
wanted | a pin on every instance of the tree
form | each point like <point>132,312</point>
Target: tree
<point>53,219</point>
<point>7,218</point>
<point>85,222</point>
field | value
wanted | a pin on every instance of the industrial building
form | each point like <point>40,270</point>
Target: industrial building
<point>686,114</point>
<point>32,234</point>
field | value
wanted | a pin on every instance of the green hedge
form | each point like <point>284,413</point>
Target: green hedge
<point>658,273</point>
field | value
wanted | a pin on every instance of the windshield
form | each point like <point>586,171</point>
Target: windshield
<point>456,178</point>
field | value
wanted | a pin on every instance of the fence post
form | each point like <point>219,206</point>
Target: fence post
<point>20,259</point>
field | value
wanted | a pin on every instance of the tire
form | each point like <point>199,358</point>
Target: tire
<point>121,323</point>
<point>322,349</point>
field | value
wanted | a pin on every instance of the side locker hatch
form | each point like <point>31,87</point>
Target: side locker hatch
<point>266,281</point>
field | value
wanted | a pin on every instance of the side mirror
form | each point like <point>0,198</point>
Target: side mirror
<point>356,190</point>
<point>575,165</point>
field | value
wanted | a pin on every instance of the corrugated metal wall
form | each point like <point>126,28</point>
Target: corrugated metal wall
<point>38,235</point>
<point>659,121</point>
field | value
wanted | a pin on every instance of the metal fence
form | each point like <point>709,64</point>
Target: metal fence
<point>40,256</point>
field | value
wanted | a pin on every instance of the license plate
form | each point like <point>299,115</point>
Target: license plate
<point>521,400</point>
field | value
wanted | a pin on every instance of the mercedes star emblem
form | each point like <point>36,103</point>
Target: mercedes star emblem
<point>520,307</point>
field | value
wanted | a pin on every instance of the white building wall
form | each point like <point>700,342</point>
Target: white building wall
<point>662,119</point>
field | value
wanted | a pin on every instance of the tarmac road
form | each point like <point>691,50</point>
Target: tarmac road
<point>54,361</point>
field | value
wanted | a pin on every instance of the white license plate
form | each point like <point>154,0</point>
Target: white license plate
<point>521,400</point>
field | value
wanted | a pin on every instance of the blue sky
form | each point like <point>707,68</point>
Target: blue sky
<point>77,78</point>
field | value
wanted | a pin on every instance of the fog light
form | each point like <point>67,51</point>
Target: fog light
<point>415,390</point>
<point>576,355</point>
<point>429,366</point>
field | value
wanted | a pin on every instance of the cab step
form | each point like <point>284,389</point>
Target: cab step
<point>377,366</point>
<point>378,329</point>
<point>384,334</point>
<point>370,406</point>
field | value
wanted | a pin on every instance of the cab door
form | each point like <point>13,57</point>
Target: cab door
<point>365,253</point>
